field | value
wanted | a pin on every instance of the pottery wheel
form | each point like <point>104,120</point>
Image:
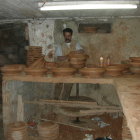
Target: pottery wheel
<point>75,111</point>
<point>81,98</point>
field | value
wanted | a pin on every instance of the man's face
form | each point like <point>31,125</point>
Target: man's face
<point>67,37</point>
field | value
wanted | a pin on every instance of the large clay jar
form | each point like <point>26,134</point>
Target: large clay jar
<point>77,60</point>
<point>17,131</point>
<point>48,131</point>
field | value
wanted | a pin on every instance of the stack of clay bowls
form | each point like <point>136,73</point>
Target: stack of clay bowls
<point>12,69</point>
<point>135,65</point>
<point>77,60</point>
<point>115,70</point>
<point>17,131</point>
<point>126,134</point>
<point>48,131</point>
<point>92,72</point>
<point>37,68</point>
<point>33,54</point>
<point>63,72</point>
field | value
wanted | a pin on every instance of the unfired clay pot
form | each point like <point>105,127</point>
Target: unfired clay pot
<point>35,72</point>
<point>12,69</point>
<point>135,59</point>
<point>115,70</point>
<point>77,60</point>
<point>17,131</point>
<point>62,72</point>
<point>135,70</point>
<point>48,131</point>
<point>92,72</point>
<point>135,64</point>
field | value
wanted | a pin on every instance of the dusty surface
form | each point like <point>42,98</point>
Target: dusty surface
<point>74,133</point>
<point>127,89</point>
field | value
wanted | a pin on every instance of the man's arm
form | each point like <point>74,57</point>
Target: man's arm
<point>79,49</point>
<point>59,55</point>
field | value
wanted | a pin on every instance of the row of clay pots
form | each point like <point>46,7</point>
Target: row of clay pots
<point>113,70</point>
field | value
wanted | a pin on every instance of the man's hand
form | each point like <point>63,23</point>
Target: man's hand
<point>80,51</point>
<point>62,58</point>
<point>51,54</point>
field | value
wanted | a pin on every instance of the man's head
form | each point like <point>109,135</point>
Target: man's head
<point>67,35</point>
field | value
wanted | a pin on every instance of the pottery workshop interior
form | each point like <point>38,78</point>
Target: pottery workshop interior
<point>69,70</point>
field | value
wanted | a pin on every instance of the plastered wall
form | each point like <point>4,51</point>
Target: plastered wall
<point>41,33</point>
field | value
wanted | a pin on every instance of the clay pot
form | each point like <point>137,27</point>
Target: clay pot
<point>63,64</point>
<point>16,131</point>
<point>50,65</point>
<point>90,29</point>
<point>115,70</point>
<point>35,72</point>
<point>135,64</point>
<point>94,72</point>
<point>78,66</point>
<point>134,59</point>
<point>48,131</point>
<point>135,70</point>
<point>73,56</point>
<point>12,69</point>
<point>77,62</point>
<point>62,72</point>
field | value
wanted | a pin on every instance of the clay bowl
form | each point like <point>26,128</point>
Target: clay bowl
<point>50,65</point>
<point>63,64</point>
<point>94,72</point>
<point>135,70</point>
<point>126,67</point>
<point>74,56</point>
<point>48,130</point>
<point>12,69</point>
<point>78,66</point>
<point>77,62</point>
<point>35,72</point>
<point>17,126</point>
<point>135,64</point>
<point>115,70</point>
<point>63,72</point>
<point>135,59</point>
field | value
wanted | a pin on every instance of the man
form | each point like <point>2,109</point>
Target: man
<point>67,46</point>
<point>62,91</point>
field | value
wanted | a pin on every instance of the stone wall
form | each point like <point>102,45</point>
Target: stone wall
<point>12,43</point>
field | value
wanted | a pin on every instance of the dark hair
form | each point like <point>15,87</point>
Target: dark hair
<point>69,30</point>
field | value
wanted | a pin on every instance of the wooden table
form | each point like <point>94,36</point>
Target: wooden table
<point>128,90</point>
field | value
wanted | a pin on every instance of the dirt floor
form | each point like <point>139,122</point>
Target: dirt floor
<point>77,131</point>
